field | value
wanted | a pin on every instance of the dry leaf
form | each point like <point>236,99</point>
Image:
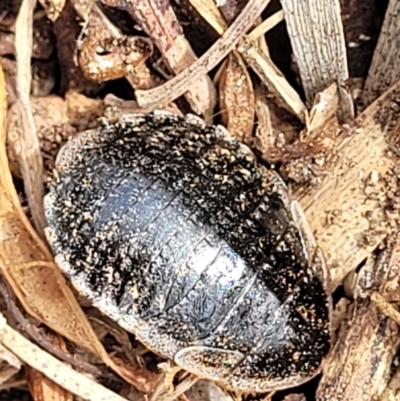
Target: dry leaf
<point>28,266</point>
<point>106,54</point>
<point>237,99</point>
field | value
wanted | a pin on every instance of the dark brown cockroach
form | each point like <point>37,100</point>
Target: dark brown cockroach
<point>169,226</point>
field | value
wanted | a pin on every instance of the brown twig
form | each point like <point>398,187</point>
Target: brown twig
<point>177,86</point>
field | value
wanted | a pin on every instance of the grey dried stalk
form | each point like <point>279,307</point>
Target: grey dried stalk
<point>316,33</point>
<point>385,66</point>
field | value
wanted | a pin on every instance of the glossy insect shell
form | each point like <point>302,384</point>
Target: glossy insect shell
<point>170,227</point>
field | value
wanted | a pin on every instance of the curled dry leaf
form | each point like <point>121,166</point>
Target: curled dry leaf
<point>237,99</point>
<point>30,161</point>
<point>28,266</point>
<point>275,127</point>
<point>107,55</point>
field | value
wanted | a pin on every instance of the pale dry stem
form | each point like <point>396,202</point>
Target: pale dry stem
<point>52,368</point>
<point>30,158</point>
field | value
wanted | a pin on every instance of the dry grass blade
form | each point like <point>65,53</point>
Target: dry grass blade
<point>385,66</point>
<point>52,368</point>
<point>274,80</point>
<point>346,211</point>
<point>266,25</point>
<point>9,366</point>
<point>37,282</point>
<point>237,99</point>
<point>264,136</point>
<point>30,156</point>
<point>317,37</point>
<point>175,87</point>
<point>258,60</point>
<point>386,308</point>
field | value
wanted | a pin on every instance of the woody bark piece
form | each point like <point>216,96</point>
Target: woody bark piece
<point>347,210</point>
<point>159,21</point>
<point>316,33</point>
<point>385,66</point>
<point>359,366</point>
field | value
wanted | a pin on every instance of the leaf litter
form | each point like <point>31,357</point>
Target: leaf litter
<point>69,62</point>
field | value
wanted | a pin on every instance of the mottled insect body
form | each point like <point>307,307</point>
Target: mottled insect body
<point>169,226</point>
